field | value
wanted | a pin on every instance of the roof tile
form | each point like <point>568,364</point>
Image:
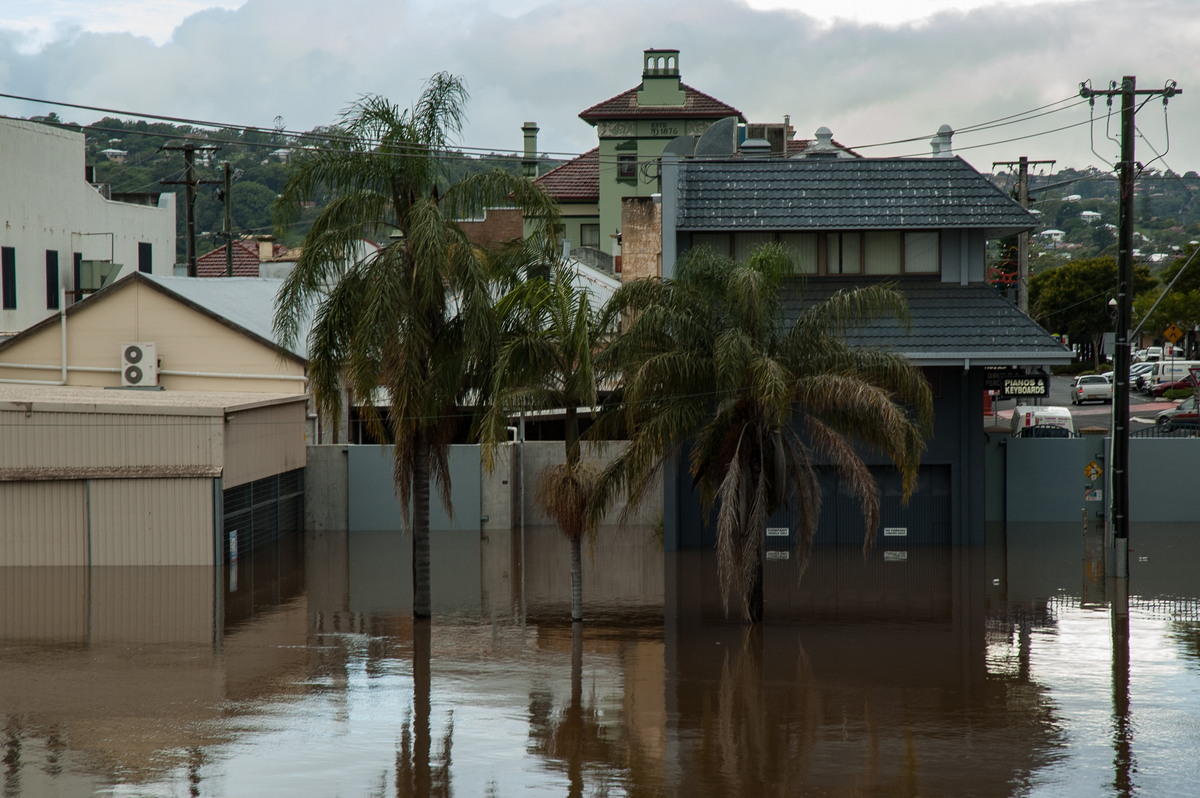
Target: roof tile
<point>577,180</point>
<point>852,193</point>
<point>949,323</point>
<point>625,106</point>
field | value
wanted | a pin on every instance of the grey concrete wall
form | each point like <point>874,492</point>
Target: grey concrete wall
<point>372,498</point>
<point>538,455</point>
<point>1042,480</point>
<point>1045,479</point>
<point>1163,479</point>
<point>325,496</point>
<point>350,487</point>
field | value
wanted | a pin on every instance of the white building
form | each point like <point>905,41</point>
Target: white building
<point>58,236</point>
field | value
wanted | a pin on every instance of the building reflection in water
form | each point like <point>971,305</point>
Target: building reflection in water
<point>993,671</point>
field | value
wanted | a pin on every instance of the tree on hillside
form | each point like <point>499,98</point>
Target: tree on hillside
<point>550,333</point>
<point>1181,306</point>
<point>710,360</point>
<point>411,317</point>
<point>1072,299</point>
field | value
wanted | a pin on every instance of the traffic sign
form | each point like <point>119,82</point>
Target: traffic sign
<point>1173,333</point>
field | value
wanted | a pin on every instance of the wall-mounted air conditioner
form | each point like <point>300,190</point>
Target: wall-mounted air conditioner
<point>139,365</point>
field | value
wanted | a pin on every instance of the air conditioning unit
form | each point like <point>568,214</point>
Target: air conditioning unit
<point>139,365</point>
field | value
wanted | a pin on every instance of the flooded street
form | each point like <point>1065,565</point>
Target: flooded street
<point>1005,670</point>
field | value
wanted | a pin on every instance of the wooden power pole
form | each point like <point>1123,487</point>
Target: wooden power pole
<point>1127,170</point>
<point>1022,238</point>
<point>189,182</point>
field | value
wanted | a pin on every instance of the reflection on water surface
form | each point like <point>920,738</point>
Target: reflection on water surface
<point>299,671</point>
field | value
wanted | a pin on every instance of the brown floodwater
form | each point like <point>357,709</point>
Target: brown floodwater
<point>1015,669</point>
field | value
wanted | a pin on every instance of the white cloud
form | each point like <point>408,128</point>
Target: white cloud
<point>547,60</point>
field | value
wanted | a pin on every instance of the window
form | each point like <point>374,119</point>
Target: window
<point>921,253</point>
<point>626,167</point>
<point>884,252</point>
<point>76,276</point>
<point>805,251</point>
<point>744,244</point>
<point>51,279</point>
<point>871,252</point>
<point>145,257</point>
<point>843,253</point>
<point>8,278</point>
<point>589,235</point>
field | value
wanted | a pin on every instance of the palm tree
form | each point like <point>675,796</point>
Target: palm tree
<point>410,316</point>
<point>549,334</point>
<point>710,362</point>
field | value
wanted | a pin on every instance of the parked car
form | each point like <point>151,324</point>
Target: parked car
<point>1163,387</point>
<point>1182,413</point>
<point>1091,388</point>
<point>1136,371</point>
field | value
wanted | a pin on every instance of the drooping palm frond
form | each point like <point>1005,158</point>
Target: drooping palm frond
<point>403,299</point>
<point>710,362</point>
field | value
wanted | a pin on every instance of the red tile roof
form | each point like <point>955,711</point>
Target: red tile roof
<point>695,104</point>
<point>575,181</point>
<point>797,146</point>
<point>245,260</point>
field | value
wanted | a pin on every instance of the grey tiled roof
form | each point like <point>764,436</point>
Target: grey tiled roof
<point>846,194</point>
<point>949,325</point>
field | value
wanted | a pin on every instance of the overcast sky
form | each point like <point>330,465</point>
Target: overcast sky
<point>873,71</point>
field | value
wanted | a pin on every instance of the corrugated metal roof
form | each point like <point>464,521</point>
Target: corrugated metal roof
<point>854,193</point>
<point>950,324</point>
<point>247,302</point>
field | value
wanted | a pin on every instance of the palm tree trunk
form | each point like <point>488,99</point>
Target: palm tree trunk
<point>754,602</point>
<point>577,578</point>
<point>420,527</point>
<point>571,434</point>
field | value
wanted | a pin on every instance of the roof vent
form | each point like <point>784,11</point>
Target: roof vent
<point>823,146</point>
<point>756,148</point>
<point>941,142</point>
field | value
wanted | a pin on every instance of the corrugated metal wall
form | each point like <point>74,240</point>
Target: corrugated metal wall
<point>151,521</point>
<point>264,441</point>
<point>28,509</point>
<point>47,440</point>
<point>102,605</point>
<point>107,522</point>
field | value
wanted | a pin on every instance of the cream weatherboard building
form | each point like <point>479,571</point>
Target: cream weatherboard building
<point>154,423</point>
<point>61,236</point>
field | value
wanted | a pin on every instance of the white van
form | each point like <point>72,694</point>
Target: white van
<point>1165,371</point>
<point>1042,421</point>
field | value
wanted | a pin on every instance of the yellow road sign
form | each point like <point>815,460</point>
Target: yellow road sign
<point>1093,471</point>
<point>1172,333</point>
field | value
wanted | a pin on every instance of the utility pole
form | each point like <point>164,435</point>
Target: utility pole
<point>1119,516</point>
<point>227,227</point>
<point>189,182</point>
<point>1022,238</point>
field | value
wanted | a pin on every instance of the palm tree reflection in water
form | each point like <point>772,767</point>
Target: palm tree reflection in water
<point>416,775</point>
